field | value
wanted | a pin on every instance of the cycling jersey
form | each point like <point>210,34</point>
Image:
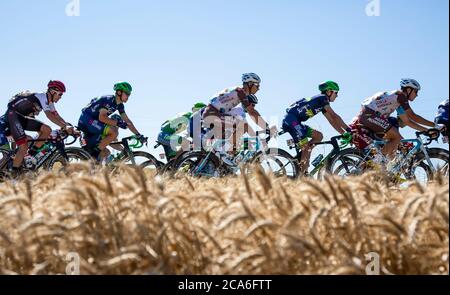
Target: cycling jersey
<point>177,124</point>
<point>31,104</point>
<point>307,108</point>
<point>385,103</point>
<point>94,130</point>
<point>22,109</point>
<point>442,115</point>
<point>108,103</point>
<point>228,99</point>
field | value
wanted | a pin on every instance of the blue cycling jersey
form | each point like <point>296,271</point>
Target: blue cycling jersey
<point>108,103</point>
<point>442,115</point>
<point>307,108</point>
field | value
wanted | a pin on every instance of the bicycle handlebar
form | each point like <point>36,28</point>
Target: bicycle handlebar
<point>432,134</point>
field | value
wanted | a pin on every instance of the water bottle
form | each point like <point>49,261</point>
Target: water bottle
<point>317,160</point>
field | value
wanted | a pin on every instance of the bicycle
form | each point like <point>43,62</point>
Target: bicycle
<point>320,163</point>
<point>254,151</point>
<point>413,157</point>
<point>54,152</point>
<point>128,153</point>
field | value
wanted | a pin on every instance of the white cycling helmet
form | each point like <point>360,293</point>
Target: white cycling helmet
<point>410,83</point>
<point>251,77</point>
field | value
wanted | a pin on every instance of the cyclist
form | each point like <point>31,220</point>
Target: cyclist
<point>223,103</point>
<point>101,130</point>
<point>376,111</point>
<point>171,135</point>
<point>20,117</point>
<point>441,119</point>
<point>306,108</point>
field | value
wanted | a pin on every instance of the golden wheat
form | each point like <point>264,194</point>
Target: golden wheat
<point>131,222</point>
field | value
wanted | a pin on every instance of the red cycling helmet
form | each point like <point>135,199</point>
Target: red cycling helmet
<point>58,85</point>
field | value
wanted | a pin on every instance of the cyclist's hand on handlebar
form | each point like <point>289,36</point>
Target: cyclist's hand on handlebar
<point>433,133</point>
<point>142,138</point>
<point>347,136</point>
<point>71,130</point>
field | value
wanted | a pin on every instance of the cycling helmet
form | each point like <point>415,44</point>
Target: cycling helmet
<point>124,87</point>
<point>410,83</point>
<point>198,106</point>
<point>328,85</point>
<point>57,85</point>
<point>252,99</point>
<point>251,77</point>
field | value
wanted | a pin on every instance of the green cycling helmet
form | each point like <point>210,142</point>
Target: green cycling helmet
<point>198,106</point>
<point>329,85</point>
<point>124,87</point>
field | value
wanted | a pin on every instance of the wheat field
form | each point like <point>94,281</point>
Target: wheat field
<point>127,221</point>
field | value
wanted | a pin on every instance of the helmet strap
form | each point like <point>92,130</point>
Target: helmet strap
<point>50,96</point>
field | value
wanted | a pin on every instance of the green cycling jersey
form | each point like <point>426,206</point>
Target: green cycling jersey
<point>177,124</point>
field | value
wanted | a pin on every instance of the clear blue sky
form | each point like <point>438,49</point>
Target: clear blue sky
<point>178,52</point>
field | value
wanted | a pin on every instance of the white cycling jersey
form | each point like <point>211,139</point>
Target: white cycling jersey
<point>46,106</point>
<point>385,103</point>
<point>228,99</point>
<point>41,96</point>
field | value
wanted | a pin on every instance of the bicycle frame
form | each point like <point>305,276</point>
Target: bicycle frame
<point>128,149</point>
<point>57,145</point>
<point>335,151</point>
<point>247,154</point>
<point>418,147</point>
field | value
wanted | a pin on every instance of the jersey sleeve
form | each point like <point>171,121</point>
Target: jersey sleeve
<point>121,108</point>
<point>325,102</point>
<point>243,98</point>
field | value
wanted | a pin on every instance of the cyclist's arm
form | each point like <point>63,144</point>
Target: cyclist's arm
<point>55,118</point>
<point>130,123</point>
<point>103,117</point>
<point>335,120</point>
<point>256,117</point>
<point>418,119</point>
<point>408,122</point>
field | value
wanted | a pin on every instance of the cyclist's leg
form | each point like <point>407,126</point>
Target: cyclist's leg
<point>165,140</point>
<point>37,126</point>
<point>381,125</point>
<point>109,134</point>
<point>299,133</point>
<point>393,138</point>
<point>17,131</point>
<point>316,137</point>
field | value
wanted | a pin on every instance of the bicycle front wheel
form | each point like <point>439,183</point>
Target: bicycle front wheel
<point>59,162</point>
<point>276,162</point>
<point>348,162</point>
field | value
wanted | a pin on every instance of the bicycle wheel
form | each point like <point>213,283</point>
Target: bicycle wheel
<point>277,162</point>
<point>144,160</point>
<point>198,164</point>
<point>58,161</point>
<point>439,161</point>
<point>348,162</point>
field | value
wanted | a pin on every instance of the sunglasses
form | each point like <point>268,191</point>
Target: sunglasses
<point>59,93</point>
